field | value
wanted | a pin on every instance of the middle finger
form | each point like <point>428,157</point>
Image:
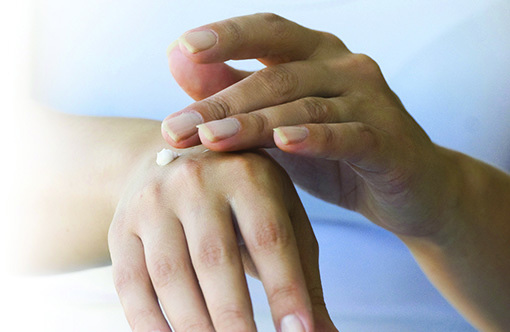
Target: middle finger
<point>173,277</point>
<point>270,86</point>
<point>214,252</point>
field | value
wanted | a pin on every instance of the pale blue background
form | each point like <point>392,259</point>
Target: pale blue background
<point>447,60</point>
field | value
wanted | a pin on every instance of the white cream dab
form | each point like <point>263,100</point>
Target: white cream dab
<point>165,156</point>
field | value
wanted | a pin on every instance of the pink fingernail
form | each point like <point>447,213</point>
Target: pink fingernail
<point>291,135</point>
<point>220,129</point>
<point>182,126</point>
<point>196,41</point>
<point>291,323</point>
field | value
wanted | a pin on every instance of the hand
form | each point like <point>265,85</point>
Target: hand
<point>342,133</point>
<point>182,233</point>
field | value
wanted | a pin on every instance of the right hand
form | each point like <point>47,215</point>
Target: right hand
<point>182,233</point>
<point>341,133</point>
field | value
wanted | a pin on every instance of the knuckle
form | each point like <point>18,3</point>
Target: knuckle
<point>189,172</point>
<point>231,316</point>
<point>151,192</point>
<point>326,140</point>
<point>253,171</point>
<point>165,270</point>
<point>214,252</point>
<point>270,17</point>
<point>283,293</point>
<point>370,143</point>
<point>142,317</point>
<point>331,42</point>
<point>368,137</point>
<point>329,137</point>
<point>280,82</point>
<point>317,109</point>
<point>330,38</point>
<point>261,122</point>
<point>270,235</point>
<point>219,107</point>
<point>244,164</point>
<point>124,278</point>
<point>364,65</point>
<point>233,30</point>
<point>191,324</point>
<point>278,25</point>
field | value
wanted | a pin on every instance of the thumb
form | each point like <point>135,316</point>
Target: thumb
<point>199,80</point>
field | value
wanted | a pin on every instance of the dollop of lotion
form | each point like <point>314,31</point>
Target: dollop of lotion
<point>165,156</point>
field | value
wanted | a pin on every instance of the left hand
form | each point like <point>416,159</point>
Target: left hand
<point>183,234</point>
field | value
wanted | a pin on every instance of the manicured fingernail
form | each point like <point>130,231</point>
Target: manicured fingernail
<point>291,323</point>
<point>171,47</point>
<point>220,129</point>
<point>291,135</point>
<point>182,126</point>
<point>196,41</point>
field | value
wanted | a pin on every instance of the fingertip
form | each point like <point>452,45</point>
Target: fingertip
<point>171,47</point>
<point>198,40</point>
<point>205,133</point>
<point>168,134</point>
<point>179,127</point>
<point>279,137</point>
<point>299,318</point>
<point>291,139</point>
<point>181,143</point>
<point>295,141</point>
<point>291,135</point>
<point>219,130</point>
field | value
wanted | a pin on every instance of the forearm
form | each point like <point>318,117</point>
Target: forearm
<point>469,261</point>
<point>72,171</point>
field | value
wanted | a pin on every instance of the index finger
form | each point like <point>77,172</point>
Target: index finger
<point>267,37</point>
<point>271,39</point>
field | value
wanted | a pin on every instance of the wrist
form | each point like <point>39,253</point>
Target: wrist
<point>471,192</point>
<point>448,199</point>
<point>140,141</point>
<point>467,258</point>
<point>137,153</point>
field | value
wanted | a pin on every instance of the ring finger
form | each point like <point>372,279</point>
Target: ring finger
<point>255,129</point>
<point>133,285</point>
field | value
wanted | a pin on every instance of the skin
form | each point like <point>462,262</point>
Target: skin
<point>344,136</point>
<point>183,234</point>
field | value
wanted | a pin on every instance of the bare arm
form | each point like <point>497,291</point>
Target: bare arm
<point>469,261</point>
<point>71,172</point>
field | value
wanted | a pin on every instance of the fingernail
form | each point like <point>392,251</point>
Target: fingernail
<point>220,129</point>
<point>182,126</point>
<point>197,41</point>
<point>291,135</point>
<point>291,323</point>
<point>171,47</point>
